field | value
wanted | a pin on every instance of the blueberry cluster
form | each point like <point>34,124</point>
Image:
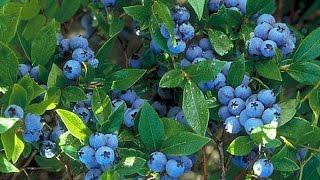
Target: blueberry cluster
<point>170,167</point>
<point>183,30</point>
<point>78,48</point>
<point>27,69</point>
<point>237,5</point>
<point>269,36</point>
<point>83,109</point>
<point>48,146</point>
<point>198,52</point>
<point>99,155</point>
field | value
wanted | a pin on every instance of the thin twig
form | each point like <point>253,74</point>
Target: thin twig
<point>66,167</point>
<point>25,165</point>
<point>205,164</point>
<point>221,154</point>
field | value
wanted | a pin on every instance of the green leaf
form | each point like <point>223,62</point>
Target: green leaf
<point>33,89</point>
<point>156,34</point>
<point>198,6</point>
<point>6,124</point>
<point>284,160</point>
<point>184,143</point>
<point>130,165</point>
<point>265,134</point>
<point>9,65</point>
<point>241,146</point>
<point>73,94</point>
<point>260,7</point>
<point>314,103</point>
<point>9,20</point>
<point>311,170</point>
<point>69,145</point>
<point>74,124</point>
<point>105,49</point>
<point>18,96</point>
<point>44,45</point>
<point>288,110</point>
<point>163,14</point>
<point>101,105</point>
<point>139,13</point>
<point>125,78</point>
<point>195,109</point>
<point>125,152</point>
<point>236,73</point>
<point>309,48</point>
<point>116,27</point>
<point>49,164</point>
<point>221,43</point>
<point>18,148</point>
<point>204,71</point>
<point>110,175</point>
<point>30,9</point>
<point>150,128</point>
<point>6,166</point>
<point>172,79</point>
<point>12,144</point>
<point>55,78</point>
<point>172,127</point>
<point>115,120</point>
<point>269,69</point>
<point>305,72</point>
<point>32,27</point>
<point>67,10</point>
<point>225,20</point>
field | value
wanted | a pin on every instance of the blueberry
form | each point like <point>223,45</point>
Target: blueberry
<point>252,98</point>
<point>203,86</point>
<point>242,5</point>
<point>64,45</point>
<point>32,122</point>
<point>112,141</point>
<point>246,80</point>
<point>93,174</point>
<point>199,59</point>
<point>87,156</point>
<point>243,92</point>
<point>167,177</point>
<point>187,162</point>
<point>108,3</point>
<point>173,111</point>
<point>129,96</point>
<point>72,69</point>
<point>155,47</point>
<point>138,103</point>
<point>236,105</point>
<point>267,97</point>
<point>214,5</point>
<point>255,109</point>
<point>205,44</point>
<point>56,133</point>
<point>24,69</point>
<point>97,140</point>
<point>243,117</point>
<point>135,63</point>
<point>211,85</point>
<point>93,62</point>
<point>208,54</point>
<point>34,73</point>
<point>225,94</point>
<point>270,115</point>
<point>262,30</point>
<point>14,111</point>
<point>116,104</point>
<point>83,113</point>
<point>160,108</point>
<point>277,107</point>
<point>78,42</point>
<point>232,125</point>
<point>105,155</point>
<point>129,116</point>
<point>181,118</point>
<point>177,48</point>
<point>157,162</point>
<point>164,31</point>
<point>181,14</point>
<point>175,168</point>
<point>226,68</point>
<point>48,149</point>
<point>224,113</point>
<point>244,161</point>
<point>263,168</point>
<point>187,31</point>
<point>287,47</point>
<point>230,3</point>
<point>193,52</point>
<point>219,81</point>
<point>80,54</point>
<point>251,124</point>
<point>266,18</point>
<point>31,136</point>
<point>268,48</point>
<point>184,63</point>
<point>254,46</point>
<point>302,153</point>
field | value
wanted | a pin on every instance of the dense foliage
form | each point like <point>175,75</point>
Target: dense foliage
<point>159,89</point>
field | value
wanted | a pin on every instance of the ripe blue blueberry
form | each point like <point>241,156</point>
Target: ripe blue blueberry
<point>161,108</point>
<point>255,109</point>
<point>242,5</point>
<point>112,141</point>
<point>93,62</point>
<point>129,116</point>
<point>97,140</point>
<point>31,136</point>
<point>83,113</point>
<point>72,69</point>
<point>270,115</point>
<point>277,36</point>
<point>34,73</point>
<point>254,46</point>
<point>164,31</point>
<point>199,59</point>
<point>226,68</point>
<point>230,3</point>
<point>225,94</point>
<point>205,44</point>
<point>204,87</point>
<point>244,161</point>
<point>187,31</point>
<point>243,117</point>
<point>116,104</point>
<point>302,153</point>
<point>177,48</point>
<point>251,124</point>
<point>266,18</point>
<point>24,69</point>
<point>93,174</point>
<point>181,118</point>
<point>173,111</point>
<point>64,45</point>
<point>214,5</point>
<point>155,47</point>
<point>262,30</point>
<point>184,63</point>
<point>135,63</point>
<point>263,168</point>
<point>105,155</point>
<point>267,97</point>
<point>219,81</point>
<point>175,168</point>
<point>138,103</point>
<point>287,47</point>
<point>87,156</point>
<point>181,14</point>
<point>246,80</point>
<point>232,125</point>
<point>252,98</point>
<point>14,111</point>
<point>187,162</point>
<point>48,149</point>
<point>108,3</point>
<point>243,91</point>
<point>236,105</point>
<point>157,162</point>
<point>129,96</point>
<point>224,113</point>
<point>211,85</point>
<point>208,54</point>
<point>80,54</point>
<point>268,48</point>
<point>78,42</point>
<point>193,52</point>
<point>56,133</point>
<point>32,122</point>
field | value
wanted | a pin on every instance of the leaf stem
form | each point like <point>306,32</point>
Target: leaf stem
<point>317,86</point>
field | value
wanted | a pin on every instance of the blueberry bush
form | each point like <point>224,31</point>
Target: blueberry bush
<point>159,89</point>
